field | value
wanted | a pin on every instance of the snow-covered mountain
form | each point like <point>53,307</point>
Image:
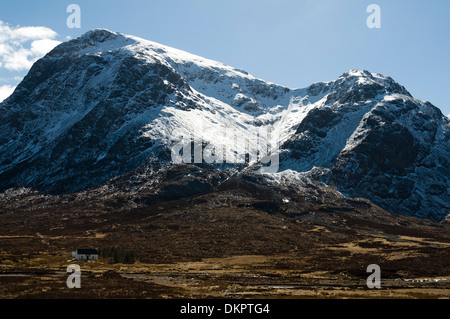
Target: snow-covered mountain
<point>107,104</point>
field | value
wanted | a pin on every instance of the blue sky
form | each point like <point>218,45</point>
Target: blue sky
<point>290,42</point>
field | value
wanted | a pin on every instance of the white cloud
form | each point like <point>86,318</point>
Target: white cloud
<point>6,91</point>
<point>42,47</point>
<point>20,46</point>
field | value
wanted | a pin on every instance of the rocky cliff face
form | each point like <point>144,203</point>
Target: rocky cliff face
<point>110,106</point>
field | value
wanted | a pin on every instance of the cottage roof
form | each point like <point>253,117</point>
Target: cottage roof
<point>87,251</point>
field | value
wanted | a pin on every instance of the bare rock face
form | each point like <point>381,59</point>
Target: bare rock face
<point>401,162</point>
<point>105,109</point>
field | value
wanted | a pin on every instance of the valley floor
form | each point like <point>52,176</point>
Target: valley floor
<point>231,243</point>
<point>42,274</point>
<point>247,277</point>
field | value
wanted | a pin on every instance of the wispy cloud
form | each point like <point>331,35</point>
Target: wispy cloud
<point>20,46</point>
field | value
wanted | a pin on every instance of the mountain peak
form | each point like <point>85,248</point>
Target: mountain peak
<point>92,39</point>
<point>357,73</point>
<point>367,81</point>
<point>366,77</point>
<point>99,35</point>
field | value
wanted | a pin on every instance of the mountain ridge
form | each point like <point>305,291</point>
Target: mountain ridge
<point>105,104</point>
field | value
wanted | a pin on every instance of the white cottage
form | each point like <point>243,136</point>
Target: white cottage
<point>85,254</point>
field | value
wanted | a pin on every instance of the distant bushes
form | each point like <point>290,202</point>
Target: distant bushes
<point>118,255</point>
